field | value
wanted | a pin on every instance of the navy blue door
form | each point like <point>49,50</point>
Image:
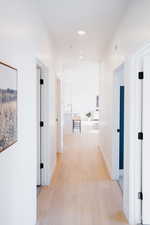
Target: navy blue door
<point>121,133</point>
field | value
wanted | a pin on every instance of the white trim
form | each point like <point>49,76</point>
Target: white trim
<point>132,171</point>
<point>118,81</point>
<point>121,172</point>
<point>106,161</point>
<point>45,129</point>
<point>135,154</point>
<point>59,112</point>
<point>38,74</point>
<point>50,176</point>
<point>146,140</point>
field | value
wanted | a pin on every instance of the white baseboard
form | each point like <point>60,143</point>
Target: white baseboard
<point>49,175</point>
<point>121,172</point>
<point>106,161</point>
<point>52,171</point>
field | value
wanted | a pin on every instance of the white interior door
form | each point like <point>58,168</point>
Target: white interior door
<point>59,118</point>
<point>118,81</point>
<point>146,143</point>
<point>116,127</point>
<point>38,126</point>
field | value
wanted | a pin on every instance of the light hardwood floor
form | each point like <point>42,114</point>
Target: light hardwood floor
<point>81,191</point>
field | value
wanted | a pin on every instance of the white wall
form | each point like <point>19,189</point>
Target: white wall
<point>23,38</point>
<point>84,82</point>
<point>133,32</point>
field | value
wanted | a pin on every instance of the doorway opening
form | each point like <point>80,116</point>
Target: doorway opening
<point>42,118</point>
<point>118,125</point>
<point>59,112</point>
<point>81,165</point>
<point>121,136</point>
<point>40,124</point>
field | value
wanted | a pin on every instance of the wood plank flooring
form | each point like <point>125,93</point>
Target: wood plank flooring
<point>81,191</point>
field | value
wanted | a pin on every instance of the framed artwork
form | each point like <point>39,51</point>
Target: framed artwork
<point>8,106</point>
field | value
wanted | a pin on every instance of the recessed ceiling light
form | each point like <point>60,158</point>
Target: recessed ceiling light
<point>81,57</point>
<point>81,32</point>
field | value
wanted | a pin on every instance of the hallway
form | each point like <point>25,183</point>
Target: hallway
<point>64,63</point>
<point>81,192</point>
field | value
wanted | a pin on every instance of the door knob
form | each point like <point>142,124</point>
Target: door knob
<point>118,130</point>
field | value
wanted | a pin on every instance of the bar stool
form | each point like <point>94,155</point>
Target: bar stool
<point>76,123</point>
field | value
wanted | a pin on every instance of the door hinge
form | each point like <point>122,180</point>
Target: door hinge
<point>41,81</point>
<point>140,136</point>
<point>41,124</point>
<point>141,75</point>
<point>41,165</point>
<point>140,195</point>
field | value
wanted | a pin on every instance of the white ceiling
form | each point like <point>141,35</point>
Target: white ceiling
<point>99,18</point>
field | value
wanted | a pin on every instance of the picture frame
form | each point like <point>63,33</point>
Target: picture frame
<point>8,106</point>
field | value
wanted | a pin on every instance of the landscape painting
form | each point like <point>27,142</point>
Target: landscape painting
<point>8,106</point>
